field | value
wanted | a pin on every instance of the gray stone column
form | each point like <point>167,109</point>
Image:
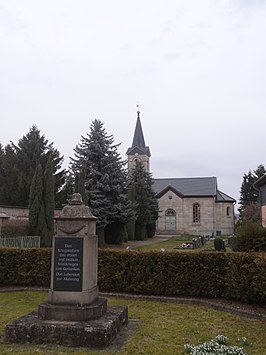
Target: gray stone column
<point>74,256</point>
<point>73,293</point>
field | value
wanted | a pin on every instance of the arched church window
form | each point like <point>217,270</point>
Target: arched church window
<point>227,211</point>
<point>170,212</point>
<point>136,160</point>
<point>196,212</point>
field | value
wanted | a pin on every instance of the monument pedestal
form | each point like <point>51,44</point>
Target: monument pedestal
<point>98,333</point>
<point>74,314</point>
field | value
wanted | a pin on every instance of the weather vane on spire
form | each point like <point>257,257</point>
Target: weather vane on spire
<point>138,112</point>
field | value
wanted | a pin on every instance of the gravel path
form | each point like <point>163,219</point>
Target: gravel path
<point>138,243</point>
<point>233,307</point>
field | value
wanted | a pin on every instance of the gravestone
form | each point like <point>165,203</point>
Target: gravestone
<point>74,314</point>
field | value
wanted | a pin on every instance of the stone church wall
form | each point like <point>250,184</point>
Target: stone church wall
<point>225,218</point>
<point>213,216</point>
<point>170,201</point>
<point>206,226</point>
<point>263,215</point>
<point>184,214</point>
<point>143,158</point>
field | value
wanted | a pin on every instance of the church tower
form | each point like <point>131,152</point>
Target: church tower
<point>138,151</point>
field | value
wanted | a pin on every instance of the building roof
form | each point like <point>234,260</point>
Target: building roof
<point>138,144</point>
<point>222,197</point>
<point>191,187</point>
<point>198,186</point>
<point>260,182</point>
<point>3,215</point>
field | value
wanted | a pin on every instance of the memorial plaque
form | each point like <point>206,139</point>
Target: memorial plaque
<point>68,264</point>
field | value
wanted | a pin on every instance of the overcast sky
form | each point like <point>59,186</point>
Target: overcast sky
<point>197,69</point>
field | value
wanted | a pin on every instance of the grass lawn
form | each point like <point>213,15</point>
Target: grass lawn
<point>175,241</point>
<point>163,328</point>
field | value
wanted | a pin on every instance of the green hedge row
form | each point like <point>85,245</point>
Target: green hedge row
<point>239,276</point>
<point>25,267</point>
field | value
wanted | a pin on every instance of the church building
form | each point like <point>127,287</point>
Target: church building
<point>187,205</point>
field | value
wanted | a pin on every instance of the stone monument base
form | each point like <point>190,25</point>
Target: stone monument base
<point>92,311</point>
<point>97,333</point>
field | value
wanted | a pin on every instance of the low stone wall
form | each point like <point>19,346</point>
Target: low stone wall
<point>15,212</point>
<point>19,212</point>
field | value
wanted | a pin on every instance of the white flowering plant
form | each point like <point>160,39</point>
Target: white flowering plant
<point>216,346</point>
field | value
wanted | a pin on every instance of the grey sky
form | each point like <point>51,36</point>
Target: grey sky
<point>197,68</point>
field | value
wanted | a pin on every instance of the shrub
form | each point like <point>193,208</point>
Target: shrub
<point>219,244</point>
<point>234,243</point>
<point>251,237</point>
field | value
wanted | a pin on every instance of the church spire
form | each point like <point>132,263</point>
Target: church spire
<point>138,150</point>
<point>138,139</point>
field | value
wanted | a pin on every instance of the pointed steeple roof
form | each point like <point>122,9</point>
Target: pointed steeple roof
<point>138,144</point>
<point>138,139</point>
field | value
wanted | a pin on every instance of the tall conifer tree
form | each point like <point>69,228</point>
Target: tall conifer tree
<point>21,161</point>
<point>105,180</point>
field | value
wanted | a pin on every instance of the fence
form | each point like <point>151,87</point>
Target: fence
<point>21,242</point>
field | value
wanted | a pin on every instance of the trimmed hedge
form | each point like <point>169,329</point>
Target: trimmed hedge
<point>25,267</point>
<point>239,276</point>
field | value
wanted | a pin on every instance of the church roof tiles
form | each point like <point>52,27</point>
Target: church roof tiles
<point>191,187</point>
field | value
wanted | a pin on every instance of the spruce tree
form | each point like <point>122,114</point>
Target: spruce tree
<point>105,181</point>
<point>8,177</point>
<point>21,161</point>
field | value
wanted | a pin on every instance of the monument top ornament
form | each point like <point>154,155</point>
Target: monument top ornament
<point>74,217</point>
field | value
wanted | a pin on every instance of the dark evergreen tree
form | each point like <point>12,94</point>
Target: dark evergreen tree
<point>21,161</point>
<point>8,177</point>
<point>49,203</point>
<point>105,181</point>
<point>147,208</point>
<point>131,224</point>
<point>42,203</point>
<point>249,197</point>
<point>36,201</point>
